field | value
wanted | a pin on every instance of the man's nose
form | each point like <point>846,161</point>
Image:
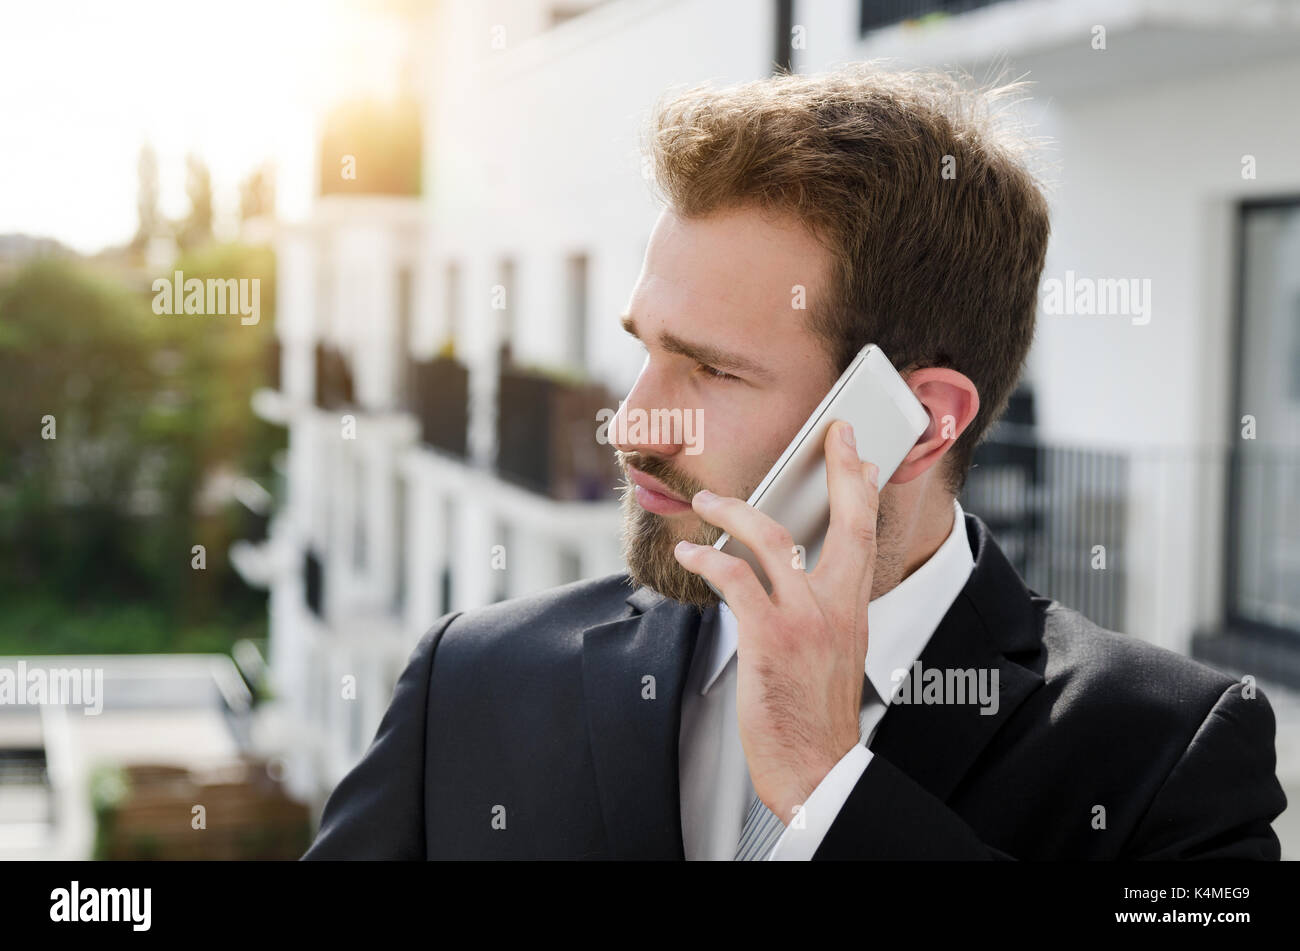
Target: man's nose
<point>641,425</point>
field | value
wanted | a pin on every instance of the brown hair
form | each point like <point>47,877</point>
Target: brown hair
<point>938,270</point>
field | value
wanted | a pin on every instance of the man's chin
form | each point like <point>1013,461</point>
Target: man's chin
<point>648,542</point>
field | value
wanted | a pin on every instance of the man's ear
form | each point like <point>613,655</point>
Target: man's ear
<point>952,402</point>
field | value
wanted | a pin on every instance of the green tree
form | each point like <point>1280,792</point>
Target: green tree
<point>148,211</point>
<point>76,368</point>
<point>98,522</point>
<point>196,228</point>
<point>257,193</point>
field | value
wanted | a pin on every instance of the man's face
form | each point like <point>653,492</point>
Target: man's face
<point>715,296</point>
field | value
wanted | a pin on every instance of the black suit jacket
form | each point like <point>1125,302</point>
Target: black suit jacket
<point>520,730</point>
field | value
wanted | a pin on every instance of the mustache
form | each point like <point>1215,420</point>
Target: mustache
<point>659,469</point>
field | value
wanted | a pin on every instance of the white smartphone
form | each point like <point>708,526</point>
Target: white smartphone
<point>887,420</point>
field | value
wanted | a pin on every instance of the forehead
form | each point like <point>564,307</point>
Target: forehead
<point>736,273</point>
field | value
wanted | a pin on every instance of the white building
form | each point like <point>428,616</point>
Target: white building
<point>1176,141</point>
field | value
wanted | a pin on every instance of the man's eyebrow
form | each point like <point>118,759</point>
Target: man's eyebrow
<point>702,352</point>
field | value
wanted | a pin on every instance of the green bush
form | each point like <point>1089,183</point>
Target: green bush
<point>97,524</point>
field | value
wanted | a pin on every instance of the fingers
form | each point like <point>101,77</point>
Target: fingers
<point>732,576</point>
<point>767,538</point>
<point>849,554</point>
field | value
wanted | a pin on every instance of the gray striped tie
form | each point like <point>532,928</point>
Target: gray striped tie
<point>758,836</point>
<point>762,827</point>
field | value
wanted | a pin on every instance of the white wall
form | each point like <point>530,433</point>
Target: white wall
<point>1148,184</point>
<point>543,160</point>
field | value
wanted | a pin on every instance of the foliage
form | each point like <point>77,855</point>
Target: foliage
<point>257,193</point>
<point>196,228</point>
<point>109,787</point>
<point>148,210</point>
<point>97,524</point>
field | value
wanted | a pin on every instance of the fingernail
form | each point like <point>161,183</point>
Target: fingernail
<point>704,495</point>
<point>873,473</point>
<point>684,547</point>
<point>846,433</point>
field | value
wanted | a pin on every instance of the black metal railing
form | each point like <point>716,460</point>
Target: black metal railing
<point>439,398</point>
<point>1060,516</point>
<point>546,436</point>
<point>1068,519</point>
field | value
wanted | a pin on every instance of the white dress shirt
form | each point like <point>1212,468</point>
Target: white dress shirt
<point>713,776</point>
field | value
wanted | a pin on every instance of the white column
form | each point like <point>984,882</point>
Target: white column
<point>380,511</point>
<point>471,568</point>
<point>425,554</point>
<point>601,555</point>
<point>533,561</point>
<point>296,283</point>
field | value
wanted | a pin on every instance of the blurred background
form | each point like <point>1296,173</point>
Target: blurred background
<point>245,526</point>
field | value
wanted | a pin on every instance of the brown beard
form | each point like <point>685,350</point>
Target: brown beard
<point>649,539</point>
<point>888,568</point>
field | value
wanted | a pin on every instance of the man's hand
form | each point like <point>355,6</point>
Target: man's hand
<point>802,650</point>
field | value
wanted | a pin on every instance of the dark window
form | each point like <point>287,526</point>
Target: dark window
<point>1263,564</point>
<point>781,52</point>
<point>876,14</point>
<point>334,389</point>
<point>313,582</point>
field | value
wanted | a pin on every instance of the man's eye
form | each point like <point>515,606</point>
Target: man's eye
<point>715,373</point>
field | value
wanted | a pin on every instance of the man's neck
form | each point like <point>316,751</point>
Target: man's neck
<point>923,538</point>
<point>934,533</point>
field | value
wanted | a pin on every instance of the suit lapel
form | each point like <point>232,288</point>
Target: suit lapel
<point>992,621</point>
<point>634,738</point>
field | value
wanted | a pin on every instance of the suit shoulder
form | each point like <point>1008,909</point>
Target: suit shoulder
<point>1133,678</point>
<point>553,615</point>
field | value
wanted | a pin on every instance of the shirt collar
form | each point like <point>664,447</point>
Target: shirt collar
<point>900,621</point>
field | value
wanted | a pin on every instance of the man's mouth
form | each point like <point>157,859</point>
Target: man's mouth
<point>653,496</point>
